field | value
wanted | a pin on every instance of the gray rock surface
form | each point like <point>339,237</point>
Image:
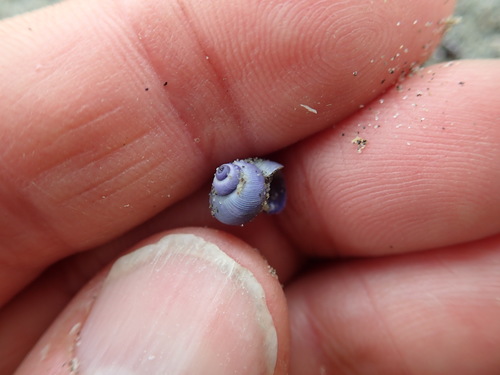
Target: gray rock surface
<point>477,35</point>
<point>12,7</point>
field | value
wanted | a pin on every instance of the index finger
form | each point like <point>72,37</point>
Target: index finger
<point>114,110</point>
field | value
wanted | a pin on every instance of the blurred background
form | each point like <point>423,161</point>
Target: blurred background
<point>477,35</point>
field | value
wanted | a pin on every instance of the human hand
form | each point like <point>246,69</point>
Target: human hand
<point>114,117</point>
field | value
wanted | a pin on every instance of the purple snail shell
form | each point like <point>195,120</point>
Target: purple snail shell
<point>244,188</point>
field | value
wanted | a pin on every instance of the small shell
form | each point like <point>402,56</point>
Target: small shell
<point>244,188</point>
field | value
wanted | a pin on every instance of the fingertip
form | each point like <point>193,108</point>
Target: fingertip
<point>195,300</point>
<point>426,175</point>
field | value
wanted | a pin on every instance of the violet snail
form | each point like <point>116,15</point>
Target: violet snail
<point>244,188</point>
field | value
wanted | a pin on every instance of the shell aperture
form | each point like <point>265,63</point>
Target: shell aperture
<point>244,188</point>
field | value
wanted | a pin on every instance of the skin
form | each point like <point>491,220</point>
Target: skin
<point>114,119</point>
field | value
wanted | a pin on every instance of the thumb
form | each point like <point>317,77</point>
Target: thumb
<point>190,302</point>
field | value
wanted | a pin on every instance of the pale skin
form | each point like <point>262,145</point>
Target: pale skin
<point>114,115</point>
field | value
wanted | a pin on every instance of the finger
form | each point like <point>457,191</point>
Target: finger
<point>428,176</point>
<point>114,112</point>
<point>190,302</point>
<point>57,285</point>
<point>425,313</point>
<point>53,290</point>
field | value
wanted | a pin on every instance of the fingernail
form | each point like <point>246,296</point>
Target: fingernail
<point>179,306</point>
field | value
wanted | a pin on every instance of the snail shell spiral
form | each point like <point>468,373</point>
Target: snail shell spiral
<point>244,188</point>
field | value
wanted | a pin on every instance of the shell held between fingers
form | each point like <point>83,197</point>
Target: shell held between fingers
<point>244,188</point>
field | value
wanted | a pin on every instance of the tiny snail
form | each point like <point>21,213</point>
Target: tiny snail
<point>244,188</point>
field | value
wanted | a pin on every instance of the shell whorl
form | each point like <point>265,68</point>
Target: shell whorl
<point>226,179</point>
<point>244,188</point>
